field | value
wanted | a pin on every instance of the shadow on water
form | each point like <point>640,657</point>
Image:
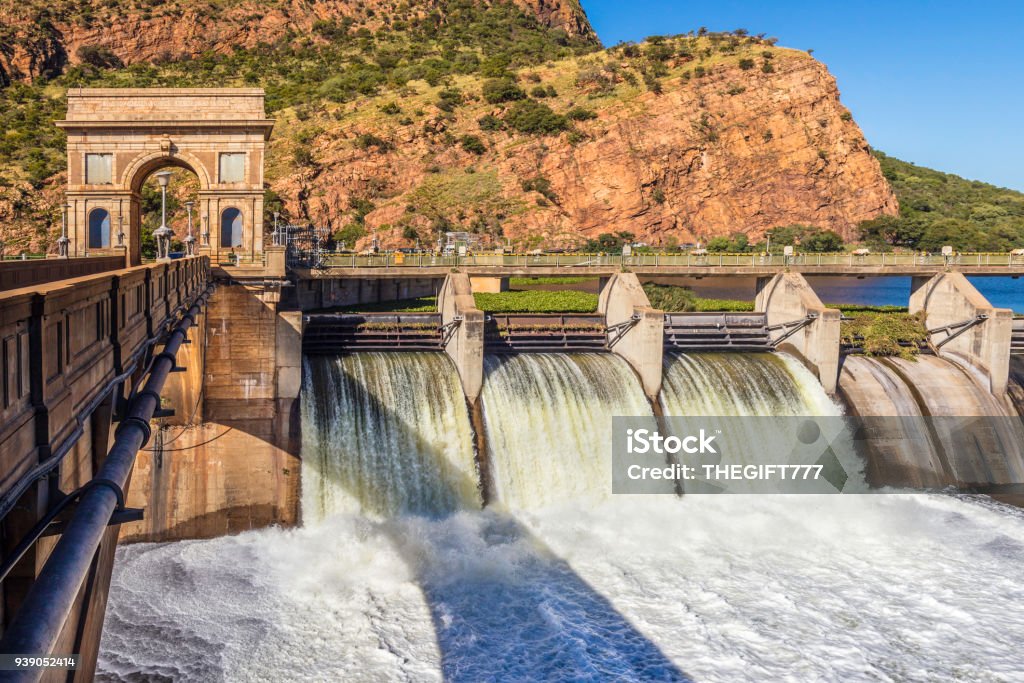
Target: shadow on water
<point>504,606</point>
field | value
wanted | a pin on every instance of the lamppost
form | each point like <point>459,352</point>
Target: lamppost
<point>190,241</point>
<point>120,229</point>
<point>62,243</point>
<point>206,229</point>
<point>276,237</point>
<point>163,233</point>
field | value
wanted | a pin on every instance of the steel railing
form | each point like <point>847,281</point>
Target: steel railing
<point>710,260</point>
<point>41,618</point>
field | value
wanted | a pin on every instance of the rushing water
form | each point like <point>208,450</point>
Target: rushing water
<point>548,420</point>
<point>561,582</point>
<point>385,433</point>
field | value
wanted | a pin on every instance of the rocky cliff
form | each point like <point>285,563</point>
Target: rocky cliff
<point>41,39</point>
<point>527,134</point>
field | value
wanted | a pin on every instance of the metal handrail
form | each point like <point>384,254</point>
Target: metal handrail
<point>659,259</point>
<point>43,614</point>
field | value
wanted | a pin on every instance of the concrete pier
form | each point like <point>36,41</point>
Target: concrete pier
<point>465,340</point>
<point>641,339</point>
<point>950,301</point>
<point>787,299</point>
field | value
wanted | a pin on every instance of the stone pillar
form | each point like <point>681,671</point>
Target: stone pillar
<point>466,345</point>
<point>275,261</point>
<point>787,298</point>
<point>948,299</point>
<point>643,344</point>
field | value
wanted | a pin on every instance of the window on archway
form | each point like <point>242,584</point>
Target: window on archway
<point>99,229</point>
<point>99,168</point>
<point>232,167</point>
<point>231,228</point>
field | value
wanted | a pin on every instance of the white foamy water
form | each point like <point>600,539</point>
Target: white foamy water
<point>573,585</point>
<point>548,419</point>
<point>385,433</point>
<point>724,588</point>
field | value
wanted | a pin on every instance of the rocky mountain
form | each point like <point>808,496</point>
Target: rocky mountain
<point>397,120</point>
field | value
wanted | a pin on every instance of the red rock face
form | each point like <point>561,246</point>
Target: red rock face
<point>733,152</point>
<point>43,46</point>
<point>690,164</point>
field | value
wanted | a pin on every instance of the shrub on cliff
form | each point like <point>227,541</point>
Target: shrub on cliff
<point>498,90</point>
<point>535,118</point>
<point>473,144</point>
<point>99,56</point>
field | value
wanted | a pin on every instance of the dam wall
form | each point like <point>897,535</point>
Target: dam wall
<point>966,325</point>
<point>70,350</point>
<point>788,299</point>
<point>936,441</point>
<point>637,330</point>
<point>312,293</point>
<point>228,460</point>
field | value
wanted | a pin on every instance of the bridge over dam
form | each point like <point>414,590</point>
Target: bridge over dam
<point>178,399</point>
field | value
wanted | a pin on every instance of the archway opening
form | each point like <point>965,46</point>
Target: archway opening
<point>231,226</point>
<point>99,229</point>
<point>182,188</point>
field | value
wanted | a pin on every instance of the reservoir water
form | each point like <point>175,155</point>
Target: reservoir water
<point>558,579</point>
<point>1003,292</point>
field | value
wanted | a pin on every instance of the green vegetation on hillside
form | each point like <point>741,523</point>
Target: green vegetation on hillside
<point>939,209</point>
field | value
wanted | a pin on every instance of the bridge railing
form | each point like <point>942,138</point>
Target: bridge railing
<point>690,260</point>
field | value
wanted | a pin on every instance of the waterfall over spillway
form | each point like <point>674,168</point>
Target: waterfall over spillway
<point>385,433</point>
<point>742,384</point>
<point>629,588</point>
<point>758,392</point>
<point>548,419</point>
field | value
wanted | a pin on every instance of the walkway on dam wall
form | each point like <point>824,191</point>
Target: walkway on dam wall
<point>72,351</point>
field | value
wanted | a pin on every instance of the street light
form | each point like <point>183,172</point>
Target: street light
<point>190,241</point>
<point>62,243</point>
<point>276,238</point>
<point>163,233</point>
<point>120,229</point>
<point>206,229</point>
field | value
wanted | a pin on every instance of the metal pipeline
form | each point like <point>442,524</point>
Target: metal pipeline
<point>42,616</point>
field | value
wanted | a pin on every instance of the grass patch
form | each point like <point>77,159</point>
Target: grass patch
<point>683,300</point>
<point>884,333</point>
<point>537,302</point>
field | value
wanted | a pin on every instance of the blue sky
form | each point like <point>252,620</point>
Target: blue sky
<point>940,84</point>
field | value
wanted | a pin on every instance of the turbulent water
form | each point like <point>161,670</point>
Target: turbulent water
<point>740,385</point>
<point>385,433</point>
<point>548,419</point>
<point>560,584</point>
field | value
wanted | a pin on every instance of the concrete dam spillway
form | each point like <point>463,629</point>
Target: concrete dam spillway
<point>397,572</point>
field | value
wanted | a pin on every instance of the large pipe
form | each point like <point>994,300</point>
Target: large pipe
<point>42,616</point>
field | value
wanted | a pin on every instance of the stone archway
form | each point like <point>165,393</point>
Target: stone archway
<point>118,137</point>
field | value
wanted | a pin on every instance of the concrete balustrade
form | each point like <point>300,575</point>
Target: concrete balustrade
<point>788,298</point>
<point>949,299</point>
<point>465,344</point>
<point>641,343</point>
<point>69,350</point>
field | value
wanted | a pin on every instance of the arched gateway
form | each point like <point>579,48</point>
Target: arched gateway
<point>118,137</point>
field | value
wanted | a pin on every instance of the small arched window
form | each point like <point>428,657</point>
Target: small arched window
<point>231,228</point>
<point>99,229</point>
